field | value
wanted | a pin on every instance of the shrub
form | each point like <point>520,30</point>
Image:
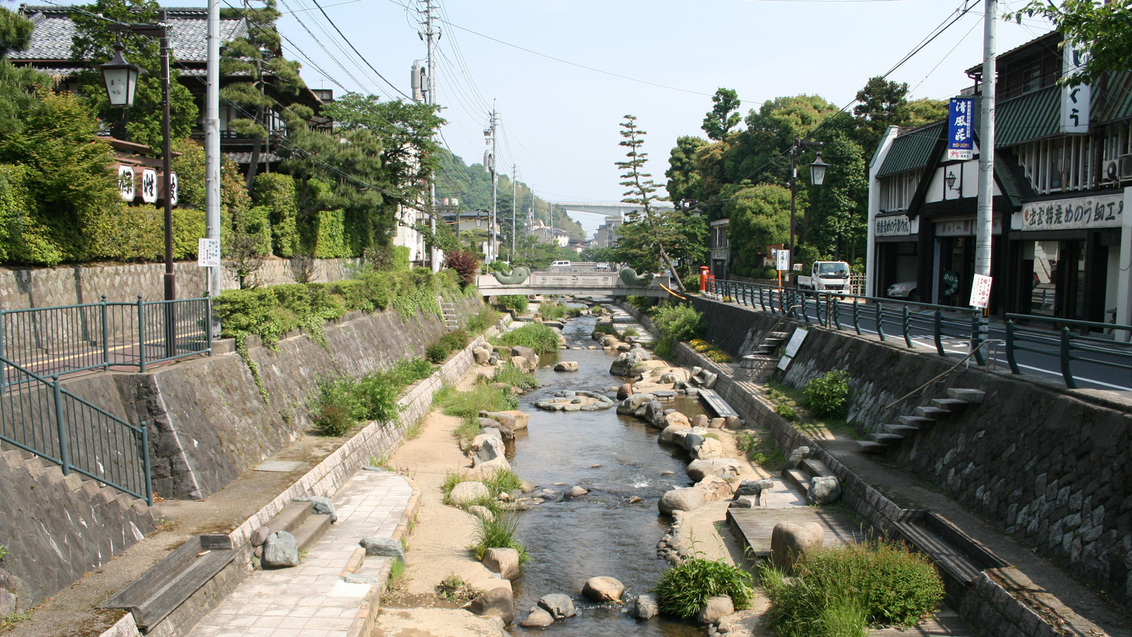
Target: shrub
<point>553,311</point>
<point>828,394</point>
<point>770,272</point>
<point>786,411</point>
<point>641,303</point>
<point>436,353</point>
<point>683,589</point>
<point>691,282</point>
<point>465,263</point>
<point>337,408</point>
<point>540,338</point>
<point>842,591</point>
<point>516,302</point>
<point>676,323</point>
<point>469,404</point>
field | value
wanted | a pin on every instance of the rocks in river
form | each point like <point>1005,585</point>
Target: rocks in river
<point>624,391</point>
<point>482,513</point>
<point>603,589</point>
<point>487,448</point>
<point>576,401</point>
<point>502,561</point>
<point>537,618</point>
<point>668,433</point>
<point>715,609</point>
<point>685,499</point>
<point>558,605</point>
<point>823,490</point>
<point>576,492</point>
<point>708,449</point>
<point>635,499</point>
<point>624,364</point>
<point>566,366</point>
<point>514,420</point>
<point>789,541</point>
<point>466,492</point>
<point>676,418</point>
<point>634,405</point>
<point>654,414</point>
<point>719,467</point>
<point>505,432</point>
<point>645,606</point>
<point>701,420</point>
<point>497,602</point>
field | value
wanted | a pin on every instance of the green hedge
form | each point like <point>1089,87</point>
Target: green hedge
<point>324,235</point>
<point>276,193</point>
<point>22,240</point>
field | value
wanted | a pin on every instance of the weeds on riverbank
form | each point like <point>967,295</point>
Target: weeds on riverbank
<point>502,481</point>
<point>790,404</point>
<point>454,589</point>
<point>843,591</point>
<point>553,311</point>
<point>340,404</point>
<point>684,588</point>
<point>498,533</point>
<point>540,338</point>
<point>761,448</point>
<point>515,377</point>
<point>482,321</point>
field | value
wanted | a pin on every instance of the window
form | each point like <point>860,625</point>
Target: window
<point>896,190</point>
<point>1058,165</point>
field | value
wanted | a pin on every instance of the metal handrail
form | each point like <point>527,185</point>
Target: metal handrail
<point>73,338</point>
<point>940,321</point>
<point>1064,345</point>
<point>41,417</point>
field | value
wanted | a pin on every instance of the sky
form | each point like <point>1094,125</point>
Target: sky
<point>562,74</point>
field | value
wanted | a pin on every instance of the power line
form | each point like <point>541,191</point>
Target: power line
<point>355,50</point>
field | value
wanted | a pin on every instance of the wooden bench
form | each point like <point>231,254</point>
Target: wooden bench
<point>716,403</point>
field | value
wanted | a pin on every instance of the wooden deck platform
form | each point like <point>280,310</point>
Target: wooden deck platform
<point>752,527</point>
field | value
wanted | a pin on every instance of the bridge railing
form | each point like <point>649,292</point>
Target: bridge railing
<point>890,317</point>
<point>1055,339</point>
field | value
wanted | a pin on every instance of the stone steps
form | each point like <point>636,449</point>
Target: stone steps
<point>800,477</point>
<point>924,417</point>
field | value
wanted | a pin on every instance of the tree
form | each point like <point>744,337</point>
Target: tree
<point>19,86</point>
<point>724,114</point>
<point>1104,30</point>
<point>642,192</point>
<point>257,56</point>
<point>15,31</point>
<point>93,45</point>
<point>683,174</point>
<point>760,216</point>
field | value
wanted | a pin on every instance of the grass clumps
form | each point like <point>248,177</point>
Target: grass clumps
<point>498,532</point>
<point>482,321</point>
<point>439,350</point>
<point>340,404</point>
<point>517,303</point>
<point>684,588</point>
<point>843,591</point>
<point>540,338</point>
<point>761,448</point>
<point>454,589</point>
<point>553,311</point>
<point>828,394</point>
<point>515,377</point>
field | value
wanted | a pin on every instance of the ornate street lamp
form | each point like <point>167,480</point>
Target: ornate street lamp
<point>817,171</point>
<point>817,178</point>
<point>121,78</point>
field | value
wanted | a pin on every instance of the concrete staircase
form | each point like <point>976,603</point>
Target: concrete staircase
<point>448,310</point>
<point>923,417</point>
<point>801,476</point>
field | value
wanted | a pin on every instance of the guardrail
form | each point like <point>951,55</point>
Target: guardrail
<point>72,338</point>
<point>906,318</point>
<point>39,416</point>
<point>1064,345</point>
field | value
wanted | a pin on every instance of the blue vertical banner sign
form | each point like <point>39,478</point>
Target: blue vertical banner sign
<point>961,128</point>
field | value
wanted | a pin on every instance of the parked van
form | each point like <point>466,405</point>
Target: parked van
<point>560,264</point>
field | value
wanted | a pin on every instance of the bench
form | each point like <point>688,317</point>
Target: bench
<point>716,404</point>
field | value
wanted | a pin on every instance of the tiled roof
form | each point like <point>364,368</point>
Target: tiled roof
<point>1027,117</point>
<point>911,150</point>
<point>188,34</point>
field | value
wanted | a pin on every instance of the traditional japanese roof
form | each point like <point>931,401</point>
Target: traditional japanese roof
<point>912,149</point>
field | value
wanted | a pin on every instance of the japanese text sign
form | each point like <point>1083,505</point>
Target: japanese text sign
<point>961,128</point>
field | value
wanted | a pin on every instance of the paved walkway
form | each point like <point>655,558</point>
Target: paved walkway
<point>335,590</point>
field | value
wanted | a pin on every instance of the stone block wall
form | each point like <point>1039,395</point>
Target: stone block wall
<point>72,285</point>
<point>1052,467</point>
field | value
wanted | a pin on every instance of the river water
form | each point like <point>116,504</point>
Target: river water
<point>601,533</point>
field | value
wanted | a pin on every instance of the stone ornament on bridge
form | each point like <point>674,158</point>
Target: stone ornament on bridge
<point>629,276</point>
<point>517,276</point>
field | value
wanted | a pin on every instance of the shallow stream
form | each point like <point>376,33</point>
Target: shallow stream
<point>601,533</point>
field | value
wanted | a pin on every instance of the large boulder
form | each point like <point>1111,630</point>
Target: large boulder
<point>482,354</point>
<point>624,364</point>
<point>823,490</point>
<point>686,499</point>
<point>558,605</point>
<point>654,414</point>
<point>566,366</point>
<point>753,487</point>
<point>505,433</point>
<point>668,434</point>
<point>797,455</point>
<point>280,550</point>
<point>467,492</point>
<point>635,404</point>
<point>484,470</point>
<point>692,439</point>
<point>527,353</point>
<point>673,375</point>
<point>514,420</point>
<point>719,467</point>
<point>321,505</point>
<point>624,391</point>
<point>603,589</point>
<point>789,542</point>
<point>676,418</point>
<point>498,602</point>
<point>489,448</point>
<point>645,606</point>
<point>502,561</point>
<point>709,449</point>
<point>701,420</point>
<point>714,488</point>
<point>537,618</point>
<point>715,609</point>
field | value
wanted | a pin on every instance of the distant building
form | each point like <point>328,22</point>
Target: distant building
<point>720,247</point>
<point>548,234</point>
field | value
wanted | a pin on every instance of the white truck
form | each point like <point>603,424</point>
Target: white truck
<point>827,276</point>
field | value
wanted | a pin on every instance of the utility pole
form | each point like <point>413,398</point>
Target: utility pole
<point>212,145</point>
<point>430,35</point>
<point>489,165</point>
<point>514,204</point>
<point>984,218</point>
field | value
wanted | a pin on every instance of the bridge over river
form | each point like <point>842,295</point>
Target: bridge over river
<point>574,280</point>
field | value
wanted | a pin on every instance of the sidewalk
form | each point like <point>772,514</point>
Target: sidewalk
<point>336,589</point>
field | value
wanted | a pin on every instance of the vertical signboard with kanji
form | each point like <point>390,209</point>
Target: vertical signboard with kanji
<point>1074,99</point>
<point>961,129</point>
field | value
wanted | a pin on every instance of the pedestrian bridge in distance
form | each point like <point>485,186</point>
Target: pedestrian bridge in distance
<point>576,280</point>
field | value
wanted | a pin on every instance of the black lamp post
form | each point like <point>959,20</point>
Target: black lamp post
<point>817,177</point>
<point>121,81</point>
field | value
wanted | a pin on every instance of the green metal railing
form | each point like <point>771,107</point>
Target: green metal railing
<point>73,338</point>
<point>39,416</point>
<point>1054,338</point>
<point>846,311</point>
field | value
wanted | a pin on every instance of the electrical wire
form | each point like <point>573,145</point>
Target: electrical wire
<point>355,50</point>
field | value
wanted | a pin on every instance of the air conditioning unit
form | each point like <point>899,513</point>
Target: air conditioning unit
<point>1110,171</point>
<point>1125,168</point>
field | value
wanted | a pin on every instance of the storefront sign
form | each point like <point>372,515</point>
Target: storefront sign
<point>149,186</point>
<point>895,226</point>
<point>1074,99</point>
<point>1101,211</point>
<point>963,228</point>
<point>961,128</point>
<point>126,183</point>
<point>950,282</point>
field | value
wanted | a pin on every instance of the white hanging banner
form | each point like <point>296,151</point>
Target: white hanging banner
<point>149,186</point>
<point>1075,100</point>
<point>980,291</point>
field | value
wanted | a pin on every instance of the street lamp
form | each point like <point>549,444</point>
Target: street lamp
<point>817,177</point>
<point>121,81</point>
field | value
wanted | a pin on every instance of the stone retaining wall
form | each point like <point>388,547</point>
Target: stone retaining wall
<point>22,288</point>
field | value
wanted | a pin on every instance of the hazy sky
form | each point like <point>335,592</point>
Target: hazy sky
<point>660,60</point>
